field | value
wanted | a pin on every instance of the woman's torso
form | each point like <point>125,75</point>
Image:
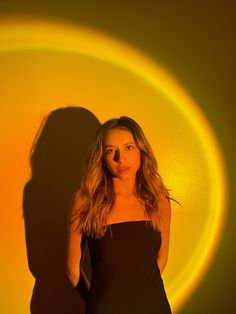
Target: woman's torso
<point>125,274</point>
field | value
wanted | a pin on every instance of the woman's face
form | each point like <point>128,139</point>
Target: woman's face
<point>121,154</point>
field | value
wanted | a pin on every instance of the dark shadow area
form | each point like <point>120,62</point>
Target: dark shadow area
<point>57,156</point>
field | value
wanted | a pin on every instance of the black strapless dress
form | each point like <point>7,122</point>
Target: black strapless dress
<point>125,275</point>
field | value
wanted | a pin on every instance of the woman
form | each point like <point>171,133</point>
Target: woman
<point>123,208</point>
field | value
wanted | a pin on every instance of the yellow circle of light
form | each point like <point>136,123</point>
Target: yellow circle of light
<point>42,35</point>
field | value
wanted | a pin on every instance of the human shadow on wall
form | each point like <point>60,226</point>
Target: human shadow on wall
<point>57,155</point>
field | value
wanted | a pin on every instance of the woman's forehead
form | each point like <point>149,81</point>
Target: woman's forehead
<point>118,135</point>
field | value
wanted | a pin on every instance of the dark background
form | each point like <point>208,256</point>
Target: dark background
<point>194,41</point>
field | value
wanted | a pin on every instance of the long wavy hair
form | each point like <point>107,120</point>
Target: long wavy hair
<point>94,200</point>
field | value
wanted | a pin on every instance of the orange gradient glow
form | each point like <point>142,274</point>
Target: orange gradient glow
<point>47,65</point>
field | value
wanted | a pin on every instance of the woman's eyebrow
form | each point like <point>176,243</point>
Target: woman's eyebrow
<point>129,143</point>
<point>109,145</point>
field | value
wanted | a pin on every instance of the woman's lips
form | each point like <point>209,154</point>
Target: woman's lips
<point>123,169</point>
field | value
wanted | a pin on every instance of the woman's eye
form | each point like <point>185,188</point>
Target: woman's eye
<point>130,147</point>
<point>109,151</point>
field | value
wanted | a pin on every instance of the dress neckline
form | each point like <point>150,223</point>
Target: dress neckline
<point>126,222</point>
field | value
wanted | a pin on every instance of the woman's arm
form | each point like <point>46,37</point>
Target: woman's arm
<point>74,246</point>
<point>165,214</point>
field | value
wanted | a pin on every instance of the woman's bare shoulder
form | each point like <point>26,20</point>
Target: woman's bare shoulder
<point>78,195</point>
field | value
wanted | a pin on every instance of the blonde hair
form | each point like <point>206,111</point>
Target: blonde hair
<point>95,198</point>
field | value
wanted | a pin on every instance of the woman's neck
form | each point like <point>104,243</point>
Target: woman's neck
<point>124,187</point>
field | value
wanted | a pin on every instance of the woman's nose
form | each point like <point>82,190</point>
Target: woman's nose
<point>118,157</point>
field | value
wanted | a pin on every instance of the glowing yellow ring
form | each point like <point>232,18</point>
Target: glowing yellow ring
<point>42,34</point>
